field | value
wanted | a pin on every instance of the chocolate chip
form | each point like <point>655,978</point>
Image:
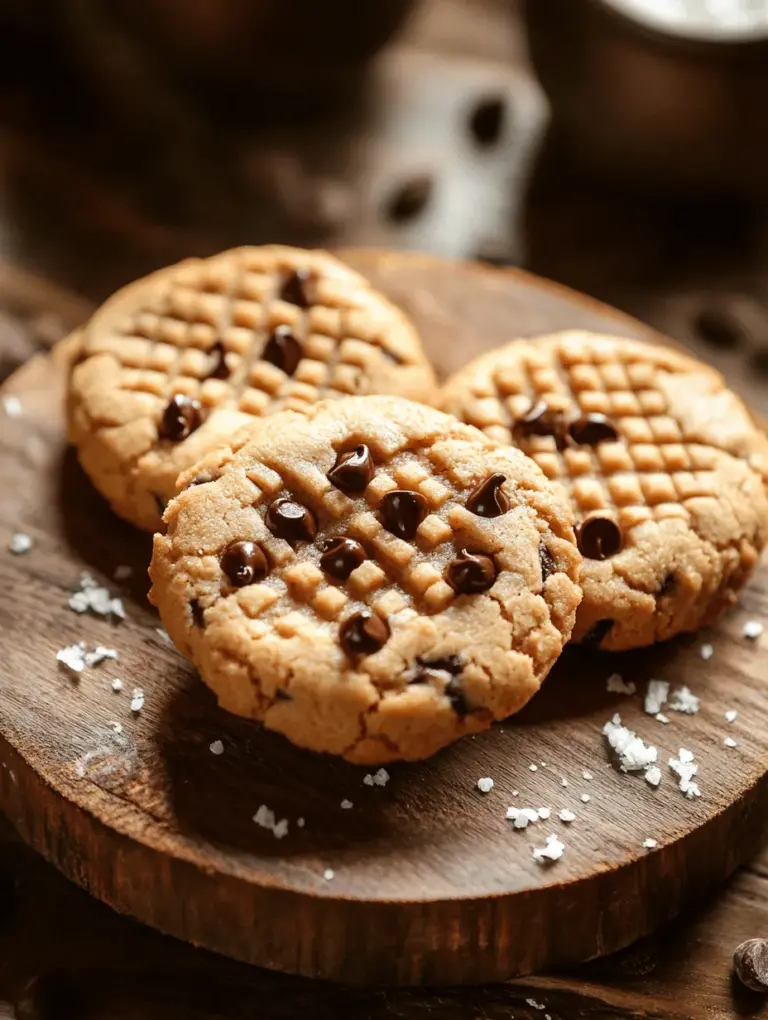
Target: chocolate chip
<point>547,563</point>
<point>750,961</point>
<point>471,573</point>
<point>218,369</point>
<point>180,418</point>
<point>446,663</point>
<point>363,633</point>
<point>341,556</point>
<point>539,420</point>
<point>353,470</point>
<point>591,429</point>
<point>486,121</point>
<point>198,613</point>
<point>288,519</point>
<point>283,350</point>
<point>454,691</point>
<point>402,511</point>
<point>488,499</point>
<point>244,563</point>
<point>409,200</point>
<point>299,288</point>
<point>594,637</point>
<point>598,537</point>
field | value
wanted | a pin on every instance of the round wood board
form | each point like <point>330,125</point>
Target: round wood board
<point>431,884</point>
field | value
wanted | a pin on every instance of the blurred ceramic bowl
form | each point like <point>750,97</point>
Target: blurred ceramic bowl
<point>671,93</point>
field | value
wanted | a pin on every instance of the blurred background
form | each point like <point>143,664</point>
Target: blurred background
<point>618,146</point>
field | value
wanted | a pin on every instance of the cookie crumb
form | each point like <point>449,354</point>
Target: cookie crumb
<point>731,715</point>
<point>117,685</point>
<point>485,785</point>
<point>753,629</point>
<point>616,684</point>
<point>347,804</point>
<point>137,700</point>
<point>656,696</point>
<point>553,851</point>
<point>683,700</point>
<point>217,747</point>
<point>649,844</point>
<point>73,657</point>
<point>730,742</point>
<point>328,874</point>
<point>12,405</point>
<point>707,651</point>
<point>566,815</point>
<point>686,769</point>
<point>653,775</point>
<point>20,543</point>
<point>379,778</point>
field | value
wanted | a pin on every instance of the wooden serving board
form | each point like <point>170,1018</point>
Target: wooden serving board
<point>430,883</point>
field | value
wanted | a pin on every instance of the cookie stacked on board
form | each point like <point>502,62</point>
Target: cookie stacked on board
<point>371,565</point>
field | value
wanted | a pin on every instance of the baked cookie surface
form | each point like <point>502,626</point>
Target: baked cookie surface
<point>172,365</point>
<point>372,578</point>
<point>664,468</point>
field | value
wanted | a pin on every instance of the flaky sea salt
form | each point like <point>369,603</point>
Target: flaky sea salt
<point>379,778</point>
<point>564,782</point>
<point>347,805</point>
<point>73,657</point>
<point>117,685</point>
<point>300,822</point>
<point>485,785</point>
<point>117,727</point>
<point>544,813</point>
<point>707,651</point>
<point>521,817</point>
<point>730,742</point>
<point>566,815</point>
<point>616,684</point>
<point>633,753</point>
<point>265,818</point>
<point>12,405</point>
<point>91,596</point>
<point>653,775</point>
<point>649,844</point>
<point>587,775</point>
<point>328,874</point>
<point>686,769</point>
<point>585,798</point>
<point>534,1004</point>
<point>217,747</point>
<point>656,696</point>
<point>20,543</point>
<point>534,768</point>
<point>683,700</point>
<point>553,850</point>
<point>753,629</point>
<point>731,715</point>
<point>660,717</point>
<point>100,654</point>
<point>137,699</point>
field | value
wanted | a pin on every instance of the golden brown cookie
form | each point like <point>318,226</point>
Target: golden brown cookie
<point>373,579</point>
<point>173,364</point>
<point>665,470</point>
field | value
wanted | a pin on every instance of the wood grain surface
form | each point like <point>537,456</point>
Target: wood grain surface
<point>430,883</point>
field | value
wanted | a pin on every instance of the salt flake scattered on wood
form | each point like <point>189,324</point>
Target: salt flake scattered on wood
<point>217,747</point>
<point>730,742</point>
<point>20,543</point>
<point>633,753</point>
<point>544,813</point>
<point>587,775</point>
<point>553,851</point>
<point>163,635</point>
<point>753,629</point>
<point>566,815</point>
<point>379,778</point>
<point>683,700</point>
<point>616,684</point>
<point>12,406</point>
<point>73,657</point>
<point>585,798</point>
<point>534,768</point>
<point>485,785</point>
<point>265,818</point>
<point>534,1004</point>
<point>117,684</point>
<point>653,775</point>
<point>649,844</point>
<point>100,654</point>
<point>686,769</point>
<point>123,572</point>
<point>656,696</point>
<point>731,715</point>
<point>660,717</point>
<point>707,651</point>
<point>137,700</point>
<point>90,596</point>
<point>347,805</point>
<point>328,874</point>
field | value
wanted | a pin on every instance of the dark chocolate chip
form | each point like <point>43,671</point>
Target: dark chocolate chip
<point>454,691</point>
<point>594,637</point>
<point>282,695</point>
<point>446,663</point>
<point>591,429</point>
<point>539,420</point>
<point>353,470</point>
<point>750,962</point>
<point>598,537</point>
<point>341,556</point>
<point>486,121</point>
<point>180,418</point>
<point>299,288</point>
<point>198,613</point>
<point>290,520</point>
<point>409,199</point>
<point>244,563</point>
<point>547,563</point>
<point>471,573</point>
<point>283,350</point>
<point>218,369</point>
<point>488,499</point>
<point>363,633</point>
<point>719,327</point>
<point>402,511</point>
<point>668,585</point>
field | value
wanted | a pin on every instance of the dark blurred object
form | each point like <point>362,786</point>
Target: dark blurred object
<point>650,106</point>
